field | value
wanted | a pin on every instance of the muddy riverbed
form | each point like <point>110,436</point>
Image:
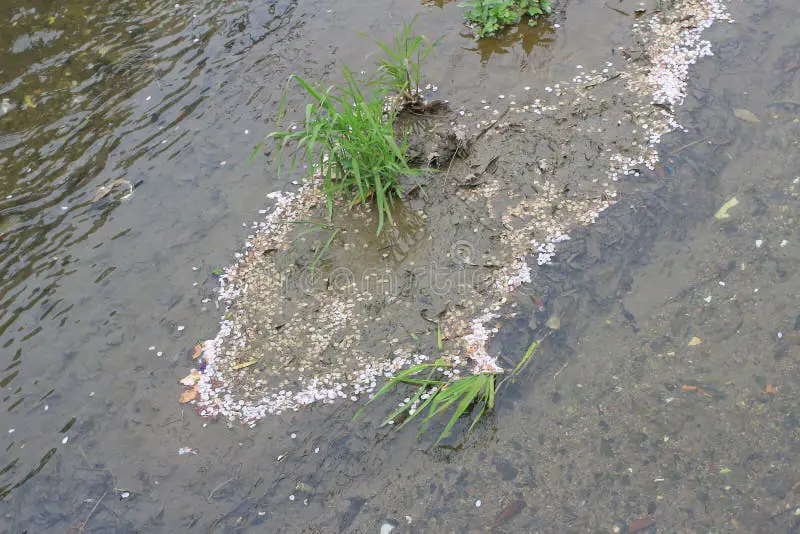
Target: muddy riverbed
<point>665,401</point>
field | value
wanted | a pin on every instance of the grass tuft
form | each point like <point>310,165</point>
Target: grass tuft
<point>435,394</point>
<point>400,66</point>
<point>351,142</point>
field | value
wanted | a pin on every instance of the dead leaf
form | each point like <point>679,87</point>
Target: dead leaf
<point>746,115</point>
<point>695,341</point>
<point>106,189</point>
<point>198,350</point>
<point>191,379</point>
<point>688,388</point>
<point>770,389</point>
<point>188,395</point>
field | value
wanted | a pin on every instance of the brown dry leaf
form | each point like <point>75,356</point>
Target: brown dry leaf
<point>695,341</point>
<point>770,389</point>
<point>188,395</point>
<point>688,388</point>
<point>198,350</point>
<point>191,379</point>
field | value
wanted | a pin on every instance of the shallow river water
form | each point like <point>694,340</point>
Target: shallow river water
<point>667,400</point>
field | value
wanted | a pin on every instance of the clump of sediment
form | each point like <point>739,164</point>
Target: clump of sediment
<point>286,341</point>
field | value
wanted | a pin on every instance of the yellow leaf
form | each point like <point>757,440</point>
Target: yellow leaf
<point>724,471</point>
<point>198,350</point>
<point>695,341</point>
<point>29,101</point>
<point>191,379</point>
<point>243,365</point>
<point>51,19</point>
<point>723,211</point>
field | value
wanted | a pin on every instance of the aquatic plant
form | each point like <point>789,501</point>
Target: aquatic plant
<point>440,390</point>
<point>487,17</point>
<point>351,143</point>
<point>400,66</point>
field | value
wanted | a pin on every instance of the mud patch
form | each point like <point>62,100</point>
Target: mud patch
<point>536,169</point>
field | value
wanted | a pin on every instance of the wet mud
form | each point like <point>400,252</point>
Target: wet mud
<point>662,399</point>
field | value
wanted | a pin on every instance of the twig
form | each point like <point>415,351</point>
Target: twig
<point>688,145</point>
<point>81,527</point>
<point>88,517</point>
<point>613,77</point>
<point>621,12</point>
<point>492,125</point>
<point>559,371</point>
<point>223,484</point>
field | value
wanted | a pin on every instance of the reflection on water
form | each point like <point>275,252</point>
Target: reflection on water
<point>88,91</point>
<point>525,36</point>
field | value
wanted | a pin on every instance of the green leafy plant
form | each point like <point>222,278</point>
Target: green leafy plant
<point>351,142</point>
<point>487,17</point>
<point>436,394</point>
<point>400,67</point>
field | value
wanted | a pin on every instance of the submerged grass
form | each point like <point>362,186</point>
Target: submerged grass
<point>437,394</point>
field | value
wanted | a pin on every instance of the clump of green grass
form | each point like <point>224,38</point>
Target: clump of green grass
<point>487,17</point>
<point>349,139</point>
<point>400,66</point>
<point>436,394</point>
